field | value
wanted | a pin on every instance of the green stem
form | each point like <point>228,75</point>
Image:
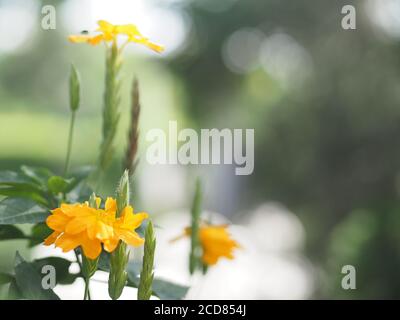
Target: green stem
<point>69,147</point>
<point>80,270</point>
<point>86,296</point>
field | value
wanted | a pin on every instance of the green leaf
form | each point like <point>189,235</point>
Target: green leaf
<point>57,184</point>
<point>23,191</point>
<point>20,210</point>
<point>61,265</point>
<point>166,290</point>
<point>9,232</point>
<point>40,231</point>
<point>29,281</point>
<point>14,292</point>
<point>5,278</point>
<point>12,178</point>
<point>39,176</point>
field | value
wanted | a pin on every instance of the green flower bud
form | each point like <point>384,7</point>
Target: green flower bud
<point>74,89</point>
<point>123,193</point>
<point>146,276</point>
<point>119,257</point>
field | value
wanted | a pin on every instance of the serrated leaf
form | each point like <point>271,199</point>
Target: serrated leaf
<point>20,210</point>
<point>29,281</point>
<point>9,232</point>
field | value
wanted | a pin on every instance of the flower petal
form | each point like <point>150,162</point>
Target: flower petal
<point>131,221</point>
<point>130,237</point>
<point>110,205</point>
<point>111,244</point>
<point>91,248</point>
<point>51,238</point>
<point>68,242</point>
<point>57,221</point>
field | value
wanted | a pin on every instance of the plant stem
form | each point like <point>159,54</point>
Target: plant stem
<point>86,296</point>
<point>80,270</point>
<point>69,147</point>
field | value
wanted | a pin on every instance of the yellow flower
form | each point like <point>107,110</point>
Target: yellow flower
<point>110,32</point>
<point>124,227</point>
<point>78,225</point>
<point>215,242</point>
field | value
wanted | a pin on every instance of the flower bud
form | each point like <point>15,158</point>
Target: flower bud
<point>123,193</point>
<point>74,89</point>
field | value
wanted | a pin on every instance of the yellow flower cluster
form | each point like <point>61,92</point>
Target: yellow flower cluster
<point>110,32</point>
<point>79,225</point>
<point>215,242</point>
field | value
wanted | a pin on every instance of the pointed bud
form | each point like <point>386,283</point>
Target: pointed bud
<point>123,193</point>
<point>74,89</point>
<point>147,275</point>
<point>195,250</point>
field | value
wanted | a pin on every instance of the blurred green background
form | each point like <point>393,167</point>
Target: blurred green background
<point>324,103</point>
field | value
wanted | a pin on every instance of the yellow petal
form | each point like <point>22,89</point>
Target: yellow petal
<point>79,224</point>
<point>130,237</point>
<point>155,47</point>
<point>98,202</point>
<point>67,242</point>
<point>79,38</point>
<point>131,221</point>
<point>57,221</point>
<point>146,42</point>
<point>91,248</point>
<point>110,205</point>
<point>111,244</point>
<point>128,29</point>
<point>84,38</point>
<point>95,41</point>
<point>51,238</point>
<point>108,30</point>
<point>103,231</point>
<point>105,26</point>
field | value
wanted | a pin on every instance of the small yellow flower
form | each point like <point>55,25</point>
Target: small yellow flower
<point>215,242</point>
<point>110,32</point>
<point>78,225</point>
